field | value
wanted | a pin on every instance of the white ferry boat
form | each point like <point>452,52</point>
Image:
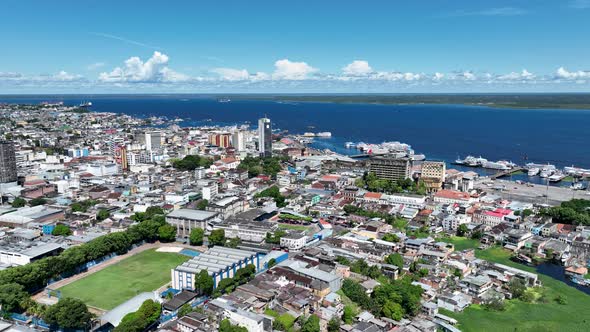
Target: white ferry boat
<point>534,171</point>
<point>500,165</point>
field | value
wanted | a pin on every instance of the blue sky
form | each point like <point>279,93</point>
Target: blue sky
<point>297,46</point>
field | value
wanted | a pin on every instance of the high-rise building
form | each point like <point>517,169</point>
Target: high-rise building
<point>121,157</point>
<point>7,162</point>
<point>153,140</point>
<point>221,140</point>
<point>238,140</point>
<point>433,175</point>
<point>390,167</point>
<point>265,137</point>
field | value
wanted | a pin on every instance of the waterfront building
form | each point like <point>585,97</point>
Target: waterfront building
<point>390,167</point>
<point>7,162</point>
<point>433,175</point>
<point>265,137</point>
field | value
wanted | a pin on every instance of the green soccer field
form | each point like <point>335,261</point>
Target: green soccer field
<point>144,272</point>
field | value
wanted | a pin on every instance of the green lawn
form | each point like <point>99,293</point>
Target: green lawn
<point>460,243</point>
<point>144,272</point>
<point>293,227</point>
<point>521,316</point>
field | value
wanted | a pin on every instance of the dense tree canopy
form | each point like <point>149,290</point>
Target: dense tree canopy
<point>241,277</point>
<point>393,299</point>
<point>82,206</point>
<point>196,236</point>
<point>202,204</point>
<point>575,212</point>
<point>61,230</point>
<point>204,282</point>
<point>312,324</point>
<point>372,183</point>
<point>68,313</point>
<point>395,259</point>
<point>19,202</point>
<point>274,193</point>
<point>37,201</point>
<point>167,233</point>
<point>226,326</point>
<point>217,237</point>
<point>138,321</point>
<point>102,214</point>
<point>191,162</point>
<point>13,297</point>
<point>261,165</point>
<point>393,220</point>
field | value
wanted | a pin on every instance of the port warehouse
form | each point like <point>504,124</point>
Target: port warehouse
<point>219,262</point>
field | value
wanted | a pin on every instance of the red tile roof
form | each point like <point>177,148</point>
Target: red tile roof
<point>371,195</point>
<point>452,194</point>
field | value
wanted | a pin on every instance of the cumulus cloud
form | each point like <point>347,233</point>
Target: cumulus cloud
<point>153,70</point>
<point>462,76</point>
<point>515,76</point>
<point>357,68</point>
<point>396,76</point>
<point>290,70</point>
<point>65,76</point>
<point>231,74</point>
<point>563,73</point>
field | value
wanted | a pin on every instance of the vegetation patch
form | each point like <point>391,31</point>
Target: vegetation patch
<point>107,288</point>
<point>554,307</point>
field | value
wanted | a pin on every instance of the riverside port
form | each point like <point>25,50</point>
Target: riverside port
<point>529,192</point>
<point>506,172</point>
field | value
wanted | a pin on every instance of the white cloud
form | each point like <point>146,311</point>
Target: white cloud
<point>289,70</point>
<point>231,74</point>
<point>135,70</point>
<point>462,76</point>
<point>563,73</point>
<point>65,76</point>
<point>10,75</point>
<point>514,76</point>
<point>357,68</point>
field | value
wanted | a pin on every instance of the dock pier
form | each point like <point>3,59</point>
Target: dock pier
<point>506,172</point>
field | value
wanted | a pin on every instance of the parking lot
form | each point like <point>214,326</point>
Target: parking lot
<point>528,192</point>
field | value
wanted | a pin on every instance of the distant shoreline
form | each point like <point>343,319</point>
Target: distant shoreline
<point>555,101</point>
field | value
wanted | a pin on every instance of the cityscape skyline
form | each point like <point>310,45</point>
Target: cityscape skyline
<point>327,47</point>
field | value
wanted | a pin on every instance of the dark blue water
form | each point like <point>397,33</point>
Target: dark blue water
<point>557,272</point>
<point>444,132</point>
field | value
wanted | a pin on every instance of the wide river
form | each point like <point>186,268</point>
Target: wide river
<point>444,132</point>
